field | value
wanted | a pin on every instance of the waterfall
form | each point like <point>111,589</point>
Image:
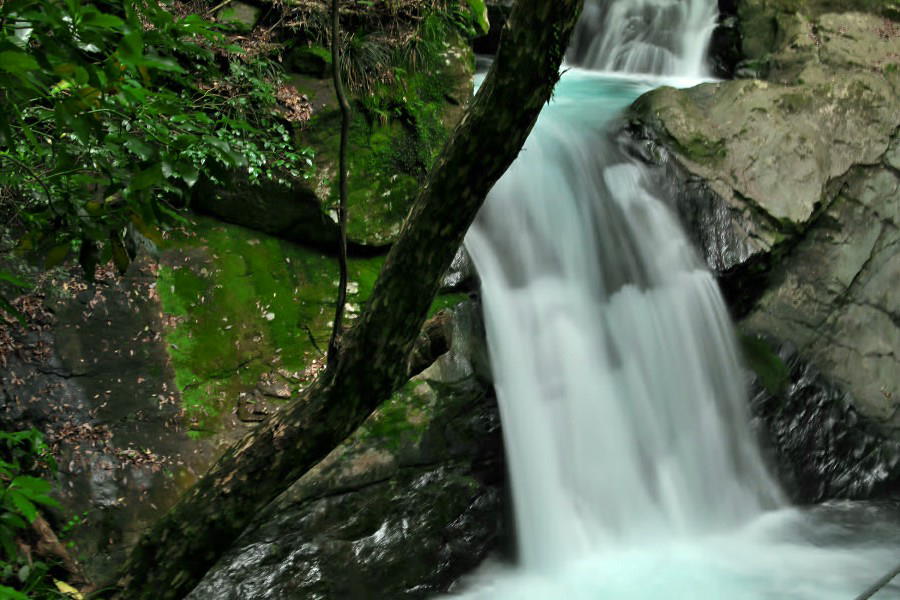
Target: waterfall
<point>616,369</point>
<point>662,37</point>
<point>631,458</point>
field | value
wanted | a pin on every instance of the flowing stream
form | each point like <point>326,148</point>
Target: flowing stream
<point>634,471</point>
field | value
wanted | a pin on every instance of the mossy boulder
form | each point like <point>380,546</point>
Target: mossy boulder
<point>140,381</point>
<point>240,14</point>
<point>243,310</point>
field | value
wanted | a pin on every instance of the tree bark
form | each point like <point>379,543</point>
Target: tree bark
<point>371,363</point>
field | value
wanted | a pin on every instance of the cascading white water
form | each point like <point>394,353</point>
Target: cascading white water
<point>621,398</point>
<point>634,472</point>
<point>661,37</point>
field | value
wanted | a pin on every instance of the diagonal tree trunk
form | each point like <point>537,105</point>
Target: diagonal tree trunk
<point>372,361</point>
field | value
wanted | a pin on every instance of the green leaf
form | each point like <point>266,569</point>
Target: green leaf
<point>31,485</point>
<point>22,504</point>
<point>101,20</point>
<point>13,521</point>
<point>131,49</point>
<point>17,63</point>
<point>139,147</point>
<point>189,173</point>
<point>7,593</point>
<point>9,278</point>
<point>162,64</point>
<point>7,542</point>
<point>147,178</point>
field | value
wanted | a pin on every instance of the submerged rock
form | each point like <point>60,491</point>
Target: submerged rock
<point>405,506</point>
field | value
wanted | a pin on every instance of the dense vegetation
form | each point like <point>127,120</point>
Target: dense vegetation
<point>110,114</point>
<point>113,114</point>
<point>112,111</point>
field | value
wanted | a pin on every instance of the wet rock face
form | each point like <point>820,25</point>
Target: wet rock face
<point>819,443</point>
<point>408,504</point>
<point>789,186</point>
<point>461,276</point>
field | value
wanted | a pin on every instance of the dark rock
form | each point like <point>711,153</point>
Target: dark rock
<point>725,48</point>
<point>94,378</point>
<point>819,444</point>
<point>461,276</point>
<point>293,214</point>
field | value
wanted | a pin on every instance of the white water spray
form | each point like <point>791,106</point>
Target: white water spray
<point>634,472</point>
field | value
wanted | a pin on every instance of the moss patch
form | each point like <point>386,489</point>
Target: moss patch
<point>765,362</point>
<point>240,304</point>
<point>701,149</point>
<point>446,301</point>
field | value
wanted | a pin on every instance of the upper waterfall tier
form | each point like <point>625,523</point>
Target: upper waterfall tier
<point>660,37</point>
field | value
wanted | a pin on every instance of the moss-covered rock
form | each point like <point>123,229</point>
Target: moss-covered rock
<point>242,307</point>
<point>140,381</point>
<point>396,132</point>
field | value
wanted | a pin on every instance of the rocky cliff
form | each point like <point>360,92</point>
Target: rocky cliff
<point>788,180</point>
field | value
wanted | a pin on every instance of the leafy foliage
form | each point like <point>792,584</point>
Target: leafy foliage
<point>23,455</point>
<point>111,111</point>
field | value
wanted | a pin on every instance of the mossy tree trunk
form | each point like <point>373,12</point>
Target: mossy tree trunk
<point>372,361</point>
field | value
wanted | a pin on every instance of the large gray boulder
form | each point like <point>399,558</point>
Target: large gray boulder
<point>791,188</point>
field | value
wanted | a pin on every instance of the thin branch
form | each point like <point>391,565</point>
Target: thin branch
<point>337,328</point>
<point>218,6</point>
<point>879,585</point>
<point>34,176</point>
